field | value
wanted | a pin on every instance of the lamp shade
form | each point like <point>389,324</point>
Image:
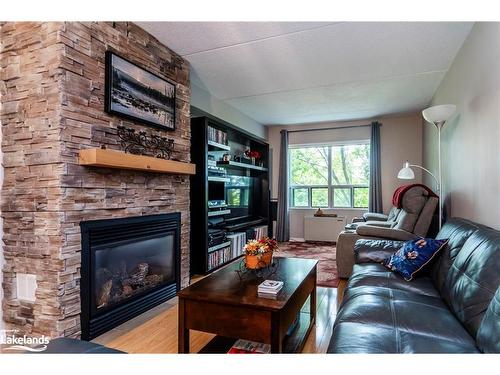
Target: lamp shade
<point>406,173</point>
<point>438,113</point>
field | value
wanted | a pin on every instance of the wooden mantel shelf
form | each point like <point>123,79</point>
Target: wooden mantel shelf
<point>96,157</point>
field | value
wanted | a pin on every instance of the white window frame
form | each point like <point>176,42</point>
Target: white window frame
<point>330,186</point>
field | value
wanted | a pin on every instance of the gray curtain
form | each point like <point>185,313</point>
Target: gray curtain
<point>375,198</point>
<point>283,219</point>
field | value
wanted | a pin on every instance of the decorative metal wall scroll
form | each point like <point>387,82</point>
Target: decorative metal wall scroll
<point>140,143</point>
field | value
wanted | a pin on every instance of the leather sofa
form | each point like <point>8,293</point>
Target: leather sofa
<point>411,221</point>
<point>453,307</point>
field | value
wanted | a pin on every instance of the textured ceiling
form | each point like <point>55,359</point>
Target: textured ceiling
<point>285,73</point>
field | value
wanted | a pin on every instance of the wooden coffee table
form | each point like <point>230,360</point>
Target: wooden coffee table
<point>228,306</point>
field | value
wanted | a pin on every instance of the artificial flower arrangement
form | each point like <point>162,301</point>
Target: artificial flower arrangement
<point>259,253</point>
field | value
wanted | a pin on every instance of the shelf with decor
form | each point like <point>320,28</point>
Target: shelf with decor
<point>97,157</point>
<point>218,247</point>
<point>219,212</point>
<point>218,179</point>
<point>245,224</point>
<point>219,266</point>
<point>235,164</point>
<point>216,145</point>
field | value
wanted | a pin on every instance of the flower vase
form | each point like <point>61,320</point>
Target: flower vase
<point>255,262</point>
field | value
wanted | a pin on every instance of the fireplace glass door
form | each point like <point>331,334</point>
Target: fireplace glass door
<point>124,270</point>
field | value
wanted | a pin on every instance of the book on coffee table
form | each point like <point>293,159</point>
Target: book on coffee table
<point>270,286</point>
<point>268,295</point>
<point>269,289</point>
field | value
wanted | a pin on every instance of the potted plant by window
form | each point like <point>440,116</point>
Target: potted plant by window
<point>259,253</point>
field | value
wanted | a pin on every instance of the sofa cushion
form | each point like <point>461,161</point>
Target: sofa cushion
<point>382,232</point>
<point>385,224</point>
<point>383,320</point>
<point>406,221</point>
<point>413,256</point>
<point>488,335</point>
<point>473,278</point>
<point>425,218</point>
<point>369,251</point>
<point>393,214</point>
<point>413,202</point>
<point>375,216</point>
<point>457,231</point>
<point>353,338</point>
<point>373,274</point>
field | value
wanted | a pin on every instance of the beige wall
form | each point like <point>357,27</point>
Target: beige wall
<point>471,139</point>
<point>400,140</point>
<point>202,99</point>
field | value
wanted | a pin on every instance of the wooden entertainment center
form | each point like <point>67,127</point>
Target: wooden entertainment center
<point>229,192</point>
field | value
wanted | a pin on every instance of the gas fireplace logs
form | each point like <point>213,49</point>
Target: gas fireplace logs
<point>112,286</point>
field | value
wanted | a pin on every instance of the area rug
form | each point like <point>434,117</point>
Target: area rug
<point>324,252</point>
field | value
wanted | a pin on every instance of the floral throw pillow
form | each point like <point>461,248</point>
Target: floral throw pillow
<point>413,256</point>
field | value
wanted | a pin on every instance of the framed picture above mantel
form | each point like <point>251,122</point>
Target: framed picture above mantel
<point>134,93</point>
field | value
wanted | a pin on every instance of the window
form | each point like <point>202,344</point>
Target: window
<point>330,176</point>
<point>342,197</point>
<point>301,197</point>
<point>319,197</point>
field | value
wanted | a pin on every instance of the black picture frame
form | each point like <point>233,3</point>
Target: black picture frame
<point>137,94</point>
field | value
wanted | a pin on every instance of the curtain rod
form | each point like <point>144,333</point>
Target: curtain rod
<point>332,128</point>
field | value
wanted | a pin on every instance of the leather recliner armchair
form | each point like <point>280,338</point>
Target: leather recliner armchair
<point>411,221</point>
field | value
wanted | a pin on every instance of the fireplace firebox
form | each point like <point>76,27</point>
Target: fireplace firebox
<point>129,265</point>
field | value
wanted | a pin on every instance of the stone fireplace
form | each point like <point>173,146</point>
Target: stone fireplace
<point>53,86</point>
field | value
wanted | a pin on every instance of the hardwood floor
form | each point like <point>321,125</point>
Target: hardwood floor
<point>156,330</point>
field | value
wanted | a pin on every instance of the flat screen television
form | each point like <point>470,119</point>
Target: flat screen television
<point>239,191</point>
